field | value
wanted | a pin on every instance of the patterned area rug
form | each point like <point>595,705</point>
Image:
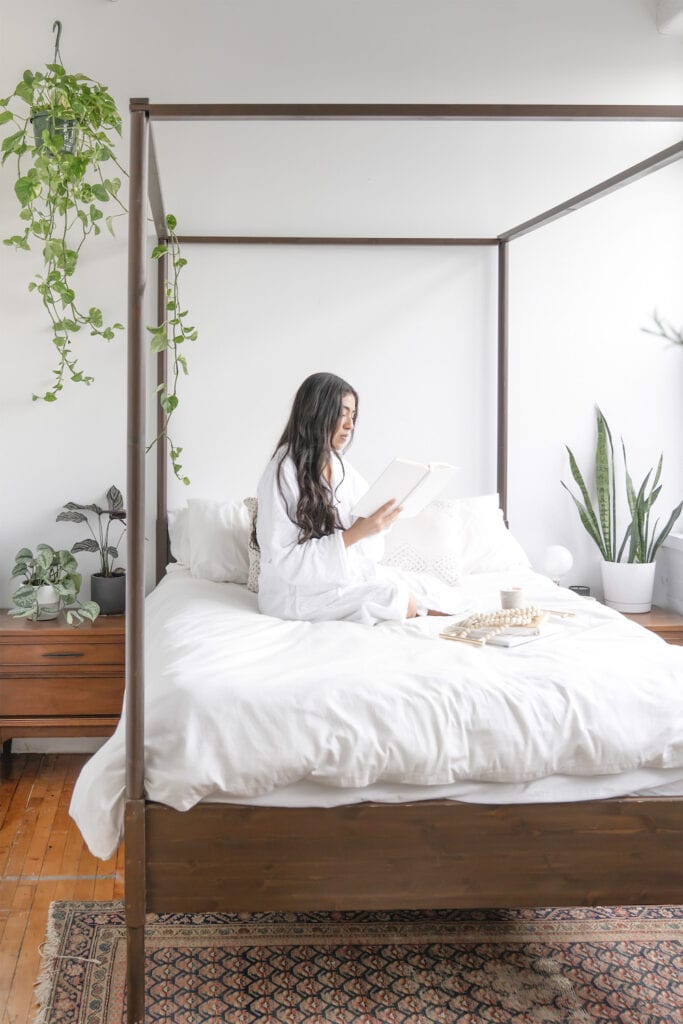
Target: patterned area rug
<point>452,967</point>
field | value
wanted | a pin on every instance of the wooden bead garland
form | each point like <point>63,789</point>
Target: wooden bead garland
<point>493,623</point>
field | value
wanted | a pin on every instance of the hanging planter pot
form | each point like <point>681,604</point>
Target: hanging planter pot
<point>628,586</point>
<point>65,127</point>
<point>109,592</point>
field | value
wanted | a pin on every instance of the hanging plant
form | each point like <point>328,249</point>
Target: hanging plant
<point>170,336</point>
<point>62,145</point>
<point>61,142</point>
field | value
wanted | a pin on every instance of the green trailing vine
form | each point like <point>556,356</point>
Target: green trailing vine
<point>62,145</point>
<point>170,336</point>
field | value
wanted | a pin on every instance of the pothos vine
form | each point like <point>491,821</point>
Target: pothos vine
<point>62,194</point>
<point>169,336</point>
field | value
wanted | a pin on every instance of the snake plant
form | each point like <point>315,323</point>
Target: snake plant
<point>641,540</point>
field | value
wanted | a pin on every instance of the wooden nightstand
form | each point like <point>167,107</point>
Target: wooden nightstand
<point>60,680</point>
<point>668,625</point>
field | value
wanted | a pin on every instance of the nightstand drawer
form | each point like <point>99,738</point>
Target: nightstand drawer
<point>64,695</point>
<point>59,654</point>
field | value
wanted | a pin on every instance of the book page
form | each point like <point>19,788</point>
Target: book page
<point>395,482</point>
<point>411,484</point>
<point>430,487</point>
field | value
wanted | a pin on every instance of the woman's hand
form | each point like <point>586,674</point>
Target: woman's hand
<point>381,520</point>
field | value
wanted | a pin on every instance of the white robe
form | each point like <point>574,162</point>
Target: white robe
<point>322,579</point>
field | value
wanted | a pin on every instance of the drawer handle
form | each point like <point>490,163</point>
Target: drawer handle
<point>64,654</point>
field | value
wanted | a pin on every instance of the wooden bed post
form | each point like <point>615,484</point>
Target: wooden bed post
<point>502,433</point>
<point>162,542</point>
<point>135,896</point>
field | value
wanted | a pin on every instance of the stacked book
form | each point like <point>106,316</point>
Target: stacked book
<point>505,629</point>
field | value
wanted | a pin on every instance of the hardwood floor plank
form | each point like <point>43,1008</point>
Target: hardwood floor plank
<point>21,1003</point>
<point>10,775</point>
<point>120,872</point>
<point>40,840</point>
<point>11,946</point>
<point>42,858</point>
<point>14,819</point>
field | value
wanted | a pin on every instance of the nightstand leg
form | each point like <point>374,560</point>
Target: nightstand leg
<point>7,748</point>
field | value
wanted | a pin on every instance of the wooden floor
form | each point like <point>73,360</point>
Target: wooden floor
<point>42,858</point>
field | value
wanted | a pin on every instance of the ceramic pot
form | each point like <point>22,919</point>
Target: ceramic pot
<point>628,586</point>
<point>49,602</point>
<point>109,592</point>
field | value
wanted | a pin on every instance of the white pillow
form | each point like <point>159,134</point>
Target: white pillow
<point>454,536</point>
<point>219,538</point>
<point>251,505</point>
<point>179,535</point>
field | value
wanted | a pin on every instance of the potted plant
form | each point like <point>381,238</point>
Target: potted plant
<point>108,586</point>
<point>51,581</point>
<point>627,568</point>
<point>60,136</point>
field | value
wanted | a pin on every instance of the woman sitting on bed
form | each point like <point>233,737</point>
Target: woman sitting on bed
<point>318,561</point>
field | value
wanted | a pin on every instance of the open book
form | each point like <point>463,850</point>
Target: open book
<point>411,484</point>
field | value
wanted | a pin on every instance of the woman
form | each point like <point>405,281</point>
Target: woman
<point>318,561</point>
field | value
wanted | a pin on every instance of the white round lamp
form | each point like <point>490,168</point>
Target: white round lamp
<point>556,562</point>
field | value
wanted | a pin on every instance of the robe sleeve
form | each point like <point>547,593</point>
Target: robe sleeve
<point>318,561</point>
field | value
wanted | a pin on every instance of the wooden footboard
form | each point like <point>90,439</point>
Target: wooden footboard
<point>430,854</point>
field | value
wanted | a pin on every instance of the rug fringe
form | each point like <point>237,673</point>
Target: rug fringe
<point>46,977</point>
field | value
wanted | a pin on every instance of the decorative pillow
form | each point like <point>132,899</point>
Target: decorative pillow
<point>254,553</point>
<point>219,538</point>
<point>179,535</point>
<point>454,536</point>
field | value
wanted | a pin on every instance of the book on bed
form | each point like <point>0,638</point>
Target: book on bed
<point>410,484</point>
<point>515,636</point>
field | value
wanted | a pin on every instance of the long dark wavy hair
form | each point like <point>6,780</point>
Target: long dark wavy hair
<point>307,439</point>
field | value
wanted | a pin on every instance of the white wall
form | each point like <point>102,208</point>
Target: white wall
<point>413,330</point>
<point>582,288</point>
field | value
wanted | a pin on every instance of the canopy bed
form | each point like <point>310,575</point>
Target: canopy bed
<point>428,853</point>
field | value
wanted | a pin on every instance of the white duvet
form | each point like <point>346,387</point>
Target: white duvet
<point>241,706</point>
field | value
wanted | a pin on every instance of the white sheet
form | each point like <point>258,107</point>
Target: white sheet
<point>241,706</point>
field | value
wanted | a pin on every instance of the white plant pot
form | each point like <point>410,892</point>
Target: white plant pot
<point>628,586</point>
<point>48,601</point>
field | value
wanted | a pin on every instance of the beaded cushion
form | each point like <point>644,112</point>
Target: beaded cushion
<point>254,553</point>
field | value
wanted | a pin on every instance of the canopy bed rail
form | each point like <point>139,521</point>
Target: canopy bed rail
<point>419,855</point>
<point>428,854</point>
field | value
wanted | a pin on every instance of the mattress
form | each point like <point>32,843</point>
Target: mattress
<point>244,708</point>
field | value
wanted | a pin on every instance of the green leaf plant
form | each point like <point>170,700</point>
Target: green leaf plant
<point>58,569</point>
<point>99,540</point>
<point>641,540</point>
<point>662,329</point>
<point>170,336</point>
<point>66,194</point>
<point>61,141</point>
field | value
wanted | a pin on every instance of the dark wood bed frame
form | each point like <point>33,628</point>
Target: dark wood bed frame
<point>218,857</point>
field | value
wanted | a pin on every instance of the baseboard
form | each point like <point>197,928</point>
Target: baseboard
<point>58,745</point>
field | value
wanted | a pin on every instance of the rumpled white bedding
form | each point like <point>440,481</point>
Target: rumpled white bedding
<point>241,706</point>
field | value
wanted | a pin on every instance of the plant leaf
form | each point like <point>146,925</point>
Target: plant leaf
<point>114,498</point>
<point>71,517</point>
<point>603,464</point>
<point>576,473</point>
<point>665,532</point>
<point>588,522</point>
<point>89,544</point>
